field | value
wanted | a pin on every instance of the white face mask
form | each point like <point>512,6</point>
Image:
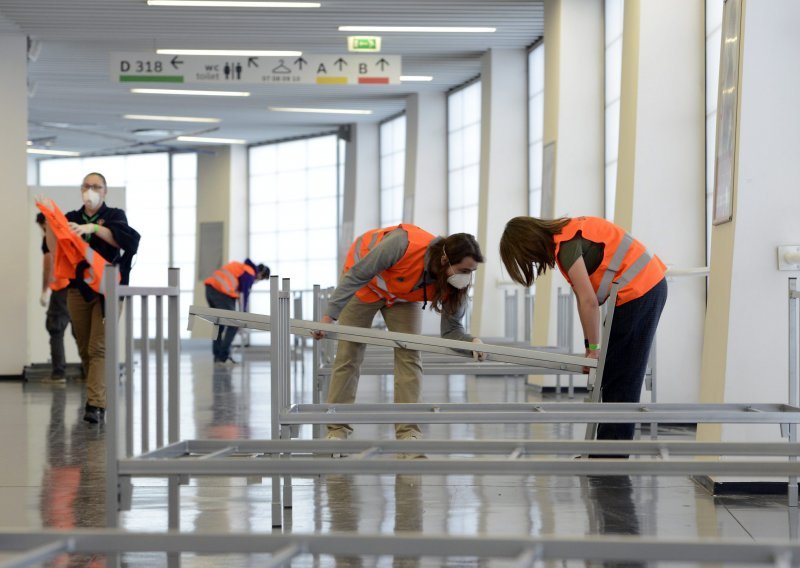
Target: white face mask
<point>91,198</point>
<point>459,281</point>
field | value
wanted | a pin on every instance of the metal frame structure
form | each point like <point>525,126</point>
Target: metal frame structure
<point>282,456</point>
<point>38,547</point>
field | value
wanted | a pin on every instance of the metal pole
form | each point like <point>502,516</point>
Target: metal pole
<point>159,371</point>
<point>597,385</point>
<point>113,416</point>
<point>315,360</point>
<point>129,363</point>
<point>174,351</point>
<point>286,376</point>
<point>275,378</point>
<point>793,372</point>
<point>145,383</point>
<point>174,402</point>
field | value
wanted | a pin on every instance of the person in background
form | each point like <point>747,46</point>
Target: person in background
<point>592,253</point>
<point>391,270</point>
<point>54,297</point>
<point>227,284</point>
<point>106,232</point>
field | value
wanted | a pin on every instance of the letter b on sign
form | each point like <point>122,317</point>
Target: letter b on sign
<point>362,68</point>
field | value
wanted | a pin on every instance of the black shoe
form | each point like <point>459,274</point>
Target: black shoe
<point>94,414</point>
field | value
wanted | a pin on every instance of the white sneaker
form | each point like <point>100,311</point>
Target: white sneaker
<point>337,435</point>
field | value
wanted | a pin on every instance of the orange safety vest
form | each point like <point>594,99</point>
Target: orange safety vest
<point>625,260</point>
<point>226,279</point>
<point>58,284</point>
<point>397,282</point>
<point>73,250</point>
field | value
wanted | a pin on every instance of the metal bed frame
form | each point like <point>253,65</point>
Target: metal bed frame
<point>282,456</point>
<point>41,546</point>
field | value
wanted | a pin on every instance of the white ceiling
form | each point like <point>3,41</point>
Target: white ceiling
<point>76,105</point>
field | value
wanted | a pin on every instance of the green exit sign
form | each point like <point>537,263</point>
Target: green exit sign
<point>363,43</point>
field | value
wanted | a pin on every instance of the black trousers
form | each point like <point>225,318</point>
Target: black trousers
<point>56,323</point>
<point>221,346</point>
<point>632,333</point>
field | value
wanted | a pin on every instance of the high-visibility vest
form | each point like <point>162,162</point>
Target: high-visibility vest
<point>72,250</point>
<point>625,260</point>
<point>226,279</point>
<point>398,281</point>
<point>58,284</point>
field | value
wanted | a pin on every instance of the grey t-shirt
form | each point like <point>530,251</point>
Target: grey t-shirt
<point>386,254</point>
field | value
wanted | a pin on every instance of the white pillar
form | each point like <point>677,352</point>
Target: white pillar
<point>746,336</point>
<point>13,165</point>
<point>425,192</point>
<point>660,196</point>
<point>503,178</point>
<point>573,130</point>
<point>361,187</point>
<point>221,198</point>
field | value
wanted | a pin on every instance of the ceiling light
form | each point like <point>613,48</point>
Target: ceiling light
<point>320,110</point>
<point>170,118</point>
<point>186,92</point>
<point>418,29</point>
<point>30,143</point>
<point>412,78</point>
<point>232,4</point>
<point>230,52</point>
<point>52,152</point>
<point>211,140</point>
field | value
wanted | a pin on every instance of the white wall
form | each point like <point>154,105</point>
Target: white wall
<point>13,168</point>
<point>746,339</point>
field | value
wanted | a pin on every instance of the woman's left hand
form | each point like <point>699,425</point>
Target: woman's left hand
<point>590,355</point>
<point>479,355</point>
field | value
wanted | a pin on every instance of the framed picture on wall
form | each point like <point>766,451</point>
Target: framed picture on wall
<point>727,104</point>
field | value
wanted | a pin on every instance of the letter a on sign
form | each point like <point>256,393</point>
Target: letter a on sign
<point>321,68</point>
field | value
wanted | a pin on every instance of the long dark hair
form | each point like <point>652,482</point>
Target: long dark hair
<point>456,248</point>
<point>527,246</point>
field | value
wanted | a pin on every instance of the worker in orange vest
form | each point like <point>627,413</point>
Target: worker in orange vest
<point>54,297</point>
<point>84,241</point>
<point>392,270</point>
<point>592,253</point>
<point>226,285</point>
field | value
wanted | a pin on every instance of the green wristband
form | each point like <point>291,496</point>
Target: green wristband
<point>96,228</point>
<point>594,347</point>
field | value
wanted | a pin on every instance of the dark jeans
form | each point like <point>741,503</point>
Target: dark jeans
<point>56,323</point>
<point>221,345</point>
<point>632,333</point>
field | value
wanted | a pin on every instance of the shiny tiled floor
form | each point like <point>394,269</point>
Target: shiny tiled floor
<point>53,476</point>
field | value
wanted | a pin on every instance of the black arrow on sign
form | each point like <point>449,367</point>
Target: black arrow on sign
<point>252,62</point>
<point>300,62</point>
<point>175,62</point>
<point>382,63</point>
<point>340,62</point>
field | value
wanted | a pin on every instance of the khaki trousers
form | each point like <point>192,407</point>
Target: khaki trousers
<point>87,323</point>
<point>402,317</point>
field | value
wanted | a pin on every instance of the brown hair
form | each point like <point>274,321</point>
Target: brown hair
<point>456,248</point>
<point>527,245</point>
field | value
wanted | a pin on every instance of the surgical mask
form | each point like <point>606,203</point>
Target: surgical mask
<point>459,281</point>
<point>91,198</point>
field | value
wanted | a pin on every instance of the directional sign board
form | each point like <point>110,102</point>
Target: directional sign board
<point>351,69</point>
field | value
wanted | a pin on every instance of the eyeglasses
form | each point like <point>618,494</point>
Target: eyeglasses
<point>86,186</point>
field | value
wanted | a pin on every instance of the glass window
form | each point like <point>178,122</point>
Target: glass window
<point>294,210</point>
<point>463,147</point>
<point>614,10</point>
<point>162,207</point>
<point>392,166</point>
<point>535,128</point>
